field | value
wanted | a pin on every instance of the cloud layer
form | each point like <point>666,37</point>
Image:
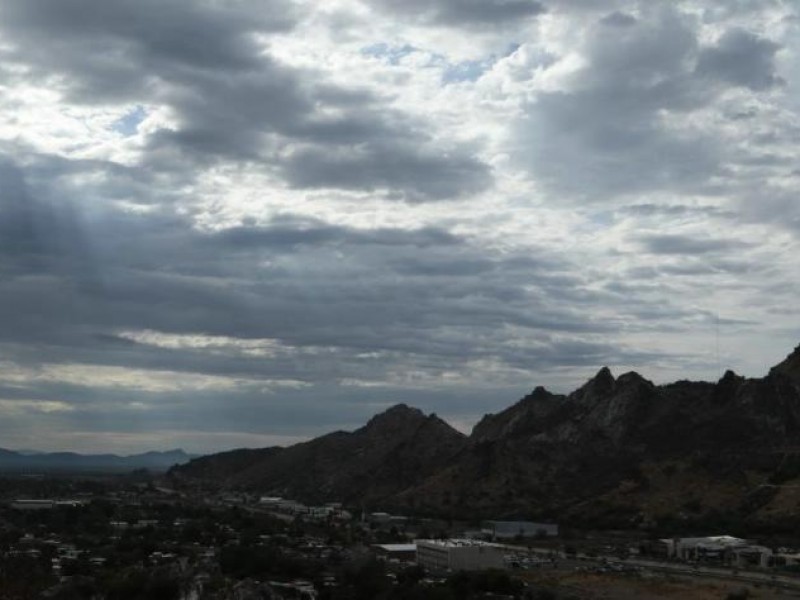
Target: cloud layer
<point>247,223</point>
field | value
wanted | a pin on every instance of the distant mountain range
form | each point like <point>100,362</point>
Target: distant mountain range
<point>12,461</point>
<point>617,452</point>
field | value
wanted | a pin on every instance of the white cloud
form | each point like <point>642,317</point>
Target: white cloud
<point>137,380</point>
<point>9,407</point>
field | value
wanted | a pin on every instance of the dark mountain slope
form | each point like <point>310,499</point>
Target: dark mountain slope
<point>395,450</point>
<point>617,451</point>
<point>216,467</point>
<point>790,367</point>
<point>601,451</point>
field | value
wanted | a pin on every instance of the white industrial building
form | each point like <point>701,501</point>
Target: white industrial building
<point>720,548</point>
<point>459,555</point>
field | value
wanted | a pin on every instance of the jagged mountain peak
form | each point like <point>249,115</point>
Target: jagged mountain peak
<point>729,381</point>
<point>402,408</point>
<point>632,378</point>
<point>401,421</point>
<point>526,415</point>
<point>600,385</point>
<point>728,387</point>
<point>604,372</point>
<point>790,366</point>
<point>396,415</point>
<point>730,376</point>
<point>603,380</point>
<point>539,393</point>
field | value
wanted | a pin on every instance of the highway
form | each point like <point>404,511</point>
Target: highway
<point>571,562</point>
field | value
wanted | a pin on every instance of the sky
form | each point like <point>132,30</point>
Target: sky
<point>230,223</point>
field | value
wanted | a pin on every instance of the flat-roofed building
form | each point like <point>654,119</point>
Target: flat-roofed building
<point>459,555</point>
<point>33,504</point>
<point>784,558</point>
<point>506,530</point>
<point>270,500</point>
<point>723,549</point>
<point>399,552</point>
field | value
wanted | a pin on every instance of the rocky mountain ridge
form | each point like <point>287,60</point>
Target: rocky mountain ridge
<point>394,450</point>
<point>620,450</point>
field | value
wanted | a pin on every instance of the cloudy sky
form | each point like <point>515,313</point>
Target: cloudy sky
<point>236,223</point>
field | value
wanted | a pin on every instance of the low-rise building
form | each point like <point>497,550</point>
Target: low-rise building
<point>459,555</point>
<point>272,501</point>
<point>506,530</point>
<point>723,549</point>
<point>784,558</point>
<point>304,590</point>
<point>380,518</point>
<point>44,503</point>
<point>33,504</point>
<point>145,523</point>
<point>399,552</point>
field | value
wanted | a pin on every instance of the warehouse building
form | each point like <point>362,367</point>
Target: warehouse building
<point>459,555</point>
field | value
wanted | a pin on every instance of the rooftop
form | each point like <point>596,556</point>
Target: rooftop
<point>458,543</point>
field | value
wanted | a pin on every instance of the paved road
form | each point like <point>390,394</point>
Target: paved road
<point>728,574</point>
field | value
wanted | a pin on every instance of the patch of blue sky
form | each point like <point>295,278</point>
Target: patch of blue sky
<point>468,70</point>
<point>391,54</point>
<point>605,218</point>
<point>472,70</point>
<point>129,124</point>
<point>512,47</point>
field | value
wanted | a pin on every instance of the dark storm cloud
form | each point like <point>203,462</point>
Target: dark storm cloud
<point>425,296</point>
<point>741,58</point>
<point>471,13</point>
<point>231,99</point>
<point>201,33</point>
<point>582,353</point>
<point>583,6</point>
<point>114,50</point>
<point>769,205</point>
<point>425,176</point>
<point>674,210</point>
<point>700,267</point>
<point>288,232</point>
<point>680,244</point>
<point>35,237</point>
<point>287,413</point>
<point>607,135</point>
<point>619,19</point>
